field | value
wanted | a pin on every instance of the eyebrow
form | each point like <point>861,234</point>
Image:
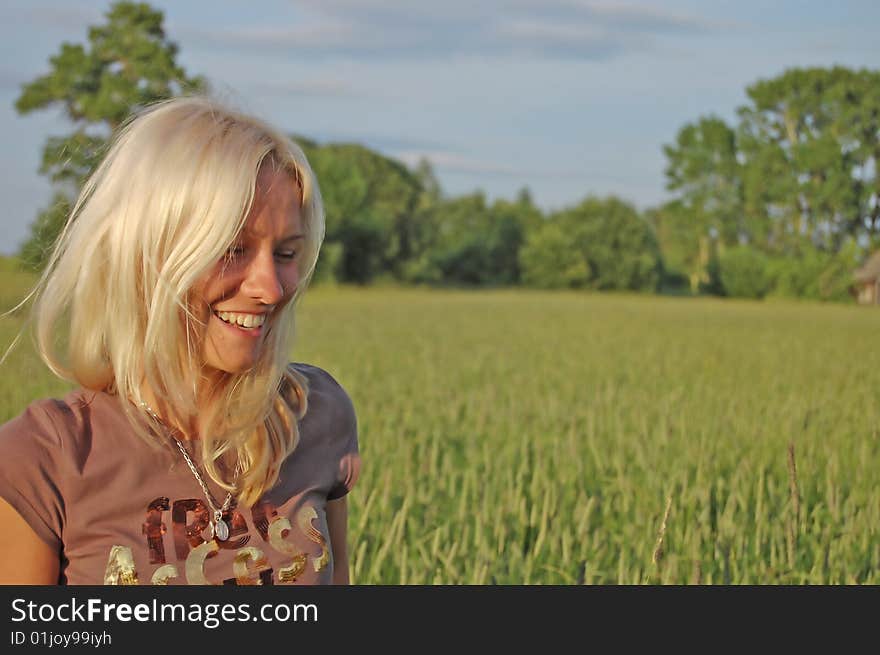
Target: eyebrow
<point>289,237</point>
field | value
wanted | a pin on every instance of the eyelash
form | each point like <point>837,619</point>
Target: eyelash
<point>235,251</point>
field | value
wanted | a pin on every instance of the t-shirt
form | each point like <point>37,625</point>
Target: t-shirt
<point>120,511</point>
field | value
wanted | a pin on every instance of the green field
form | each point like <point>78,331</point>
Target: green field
<point>526,437</point>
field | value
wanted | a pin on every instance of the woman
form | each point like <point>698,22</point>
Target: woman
<point>191,452</point>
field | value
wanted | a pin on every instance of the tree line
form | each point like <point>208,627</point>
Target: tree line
<point>785,202</point>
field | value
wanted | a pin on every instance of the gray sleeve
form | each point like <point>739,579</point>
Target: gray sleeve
<point>30,479</point>
<point>342,438</point>
<point>346,455</point>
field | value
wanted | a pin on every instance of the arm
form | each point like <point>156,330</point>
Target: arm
<point>337,524</point>
<point>25,559</point>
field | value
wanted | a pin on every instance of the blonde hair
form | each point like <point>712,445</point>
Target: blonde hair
<point>165,204</point>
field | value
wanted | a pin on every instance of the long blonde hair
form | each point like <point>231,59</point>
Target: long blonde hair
<point>167,201</point>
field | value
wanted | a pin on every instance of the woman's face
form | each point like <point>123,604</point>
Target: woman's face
<point>259,273</point>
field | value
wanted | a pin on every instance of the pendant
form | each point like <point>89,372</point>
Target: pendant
<point>221,528</point>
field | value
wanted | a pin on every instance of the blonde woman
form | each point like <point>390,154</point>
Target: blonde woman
<point>192,451</point>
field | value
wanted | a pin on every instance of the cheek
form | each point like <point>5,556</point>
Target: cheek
<point>198,302</point>
<point>195,321</point>
<point>289,277</point>
<point>222,284</point>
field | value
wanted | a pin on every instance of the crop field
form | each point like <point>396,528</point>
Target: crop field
<point>513,437</point>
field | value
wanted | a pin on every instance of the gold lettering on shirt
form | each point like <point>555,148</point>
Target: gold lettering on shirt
<point>163,574</point>
<point>249,563</point>
<point>278,528</point>
<point>120,567</point>
<point>262,514</point>
<point>304,519</point>
<point>195,562</point>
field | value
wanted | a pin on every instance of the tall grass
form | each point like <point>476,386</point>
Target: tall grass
<point>524,437</point>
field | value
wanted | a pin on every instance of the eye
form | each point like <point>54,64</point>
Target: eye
<point>233,252</point>
<point>287,255</point>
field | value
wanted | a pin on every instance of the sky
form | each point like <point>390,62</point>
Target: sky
<point>567,98</point>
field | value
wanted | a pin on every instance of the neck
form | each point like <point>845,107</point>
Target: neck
<point>211,381</point>
<point>187,431</point>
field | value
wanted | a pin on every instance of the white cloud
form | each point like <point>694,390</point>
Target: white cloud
<point>382,28</point>
<point>629,17</point>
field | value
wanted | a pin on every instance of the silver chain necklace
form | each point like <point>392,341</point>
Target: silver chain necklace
<point>219,527</point>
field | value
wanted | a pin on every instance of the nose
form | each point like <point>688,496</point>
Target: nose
<point>262,281</point>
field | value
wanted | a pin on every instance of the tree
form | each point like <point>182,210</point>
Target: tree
<point>370,202</point>
<point>471,242</point>
<point>128,63</point>
<point>602,244</point>
<point>420,268</point>
<point>510,223</point>
<point>44,232</point>
<point>810,142</point>
<point>686,245</point>
<point>703,168</point>
<point>796,178</point>
<point>460,251</point>
<point>707,215</point>
<point>743,272</point>
<point>549,260</point>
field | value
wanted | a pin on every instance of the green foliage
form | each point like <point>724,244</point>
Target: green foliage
<point>127,64</point>
<point>810,139</point>
<point>69,160</point>
<point>328,266</point>
<point>511,223</point>
<point>711,284</point>
<point>602,244</point>
<point>798,178</point>
<point>814,274</point>
<point>685,245</point>
<point>477,243</point>
<point>703,169</point>
<point>743,272</point>
<point>45,230</point>
<point>370,202</point>
<point>550,260</point>
<point>364,241</point>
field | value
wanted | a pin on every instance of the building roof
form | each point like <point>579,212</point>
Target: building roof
<point>870,270</point>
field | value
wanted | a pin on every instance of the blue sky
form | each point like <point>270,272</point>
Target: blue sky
<point>565,97</point>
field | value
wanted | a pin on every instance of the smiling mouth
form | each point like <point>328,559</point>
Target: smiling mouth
<point>244,321</point>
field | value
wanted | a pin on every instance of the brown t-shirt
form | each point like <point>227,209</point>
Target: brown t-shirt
<point>122,512</point>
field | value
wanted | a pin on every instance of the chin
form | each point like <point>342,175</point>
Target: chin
<point>229,368</point>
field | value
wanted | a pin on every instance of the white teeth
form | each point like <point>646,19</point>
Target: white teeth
<point>244,320</point>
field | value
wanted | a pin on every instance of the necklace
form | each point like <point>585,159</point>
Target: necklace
<point>219,527</point>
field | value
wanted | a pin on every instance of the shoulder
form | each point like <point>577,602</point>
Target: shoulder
<point>38,450</point>
<point>329,430</point>
<point>323,390</point>
<point>53,424</point>
<point>48,420</point>
<point>329,416</point>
